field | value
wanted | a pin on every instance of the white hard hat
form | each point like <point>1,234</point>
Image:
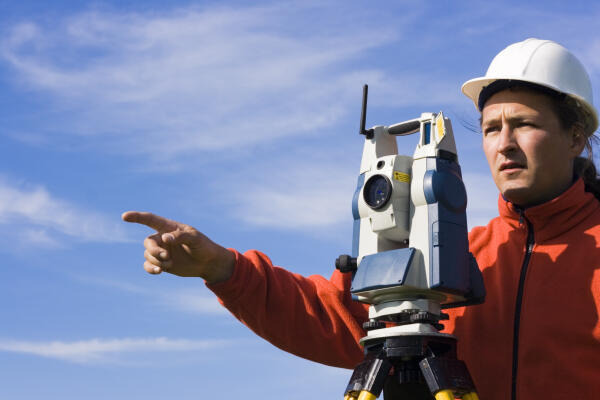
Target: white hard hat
<point>542,63</point>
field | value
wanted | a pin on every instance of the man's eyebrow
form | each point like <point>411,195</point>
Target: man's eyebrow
<point>511,118</point>
<point>488,121</point>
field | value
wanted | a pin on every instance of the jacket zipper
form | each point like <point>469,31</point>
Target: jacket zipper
<point>528,250</point>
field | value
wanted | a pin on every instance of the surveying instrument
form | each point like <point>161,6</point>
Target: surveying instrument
<point>410,259</point>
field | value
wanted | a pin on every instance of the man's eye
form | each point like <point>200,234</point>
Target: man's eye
<point>526,124</point>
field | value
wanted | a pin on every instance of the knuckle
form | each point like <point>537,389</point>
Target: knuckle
<point>152,260</point>
<point>152,240</point>
<point>154,251</point>
<point>155,261</point>
<point>150,268</point>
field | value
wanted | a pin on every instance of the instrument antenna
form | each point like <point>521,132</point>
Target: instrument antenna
<point>363,115</point>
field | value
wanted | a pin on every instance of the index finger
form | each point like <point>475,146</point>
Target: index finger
<point>156,222</point>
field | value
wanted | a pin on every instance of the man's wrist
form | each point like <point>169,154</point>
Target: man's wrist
<point>223,269</point>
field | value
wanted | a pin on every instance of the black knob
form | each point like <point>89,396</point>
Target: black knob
<point>422,316</point>
<point>345,263</point>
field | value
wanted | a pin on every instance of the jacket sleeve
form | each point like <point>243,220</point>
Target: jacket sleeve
<point>310,317</point>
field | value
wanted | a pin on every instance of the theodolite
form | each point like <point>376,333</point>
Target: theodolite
<point>410,259</point>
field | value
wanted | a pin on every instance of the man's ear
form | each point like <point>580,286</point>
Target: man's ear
<point>578,140</point>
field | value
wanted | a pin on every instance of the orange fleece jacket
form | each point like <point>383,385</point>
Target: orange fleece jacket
<point>311,317</point>
<point>557,346</point>
<point>558,338</point>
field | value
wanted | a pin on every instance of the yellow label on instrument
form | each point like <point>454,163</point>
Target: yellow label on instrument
<point>440,127</point>
<point>401,176</point>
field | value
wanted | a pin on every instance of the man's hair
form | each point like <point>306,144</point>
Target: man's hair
<point>570,115</point>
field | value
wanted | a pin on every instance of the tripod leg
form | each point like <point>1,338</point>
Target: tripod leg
<point>369,377</point>
<point>444,395</point>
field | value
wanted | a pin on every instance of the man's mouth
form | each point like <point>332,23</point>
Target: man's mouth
<point>511,165</point>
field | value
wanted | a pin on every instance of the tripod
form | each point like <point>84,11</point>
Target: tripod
<point>411,366</point>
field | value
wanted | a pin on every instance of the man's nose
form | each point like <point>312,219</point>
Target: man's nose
<point>506,140</point>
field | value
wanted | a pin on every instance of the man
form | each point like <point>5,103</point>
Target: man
<point>537,335</point>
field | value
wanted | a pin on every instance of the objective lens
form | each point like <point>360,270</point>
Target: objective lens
<point>377,191</point>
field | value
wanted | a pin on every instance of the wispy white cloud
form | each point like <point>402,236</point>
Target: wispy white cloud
<point>206,79</point>
<point>316,197</point>
<point>35,216</point>
<point>216,78</point>
<point>113,284</point>
<point>193,301</point>
<point>105,350</point>
<point>196,300</point>
<point>300,195</point>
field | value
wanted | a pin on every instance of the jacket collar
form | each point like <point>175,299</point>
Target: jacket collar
<point>554,217</point>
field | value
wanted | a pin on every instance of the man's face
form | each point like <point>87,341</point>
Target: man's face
<point>529,154</point>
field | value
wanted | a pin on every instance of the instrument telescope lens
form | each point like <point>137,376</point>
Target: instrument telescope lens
<point>377,191</point>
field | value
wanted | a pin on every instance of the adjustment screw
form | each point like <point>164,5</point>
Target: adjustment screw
<point>345,263</point>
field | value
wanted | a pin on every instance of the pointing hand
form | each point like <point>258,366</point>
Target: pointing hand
<point>181,250</point>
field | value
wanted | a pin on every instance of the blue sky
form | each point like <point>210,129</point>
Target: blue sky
<point>239,118</point>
